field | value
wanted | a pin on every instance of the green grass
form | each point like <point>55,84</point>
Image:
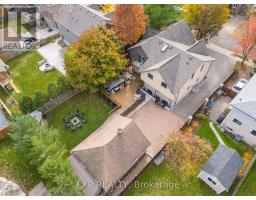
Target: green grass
<point>95,109</point>
<point>248,186</point>
<point>205,132</point>
<point>13,167</point>
<point>27,77</point>
<point>170,181</point>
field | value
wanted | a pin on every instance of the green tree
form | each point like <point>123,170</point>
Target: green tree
<point>42,149</point>
<point>207,20</point>
<point>161,15</point>
<point>26,105</point>
<point>94,59</point>
<point>40,99</point>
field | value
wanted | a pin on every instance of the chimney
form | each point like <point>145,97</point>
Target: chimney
<point>120,131</point>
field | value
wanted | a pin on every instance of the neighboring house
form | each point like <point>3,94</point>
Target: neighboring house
<point>171,64</point>
<point>5,78</point>
<point>47,11</point>
<point>221,169</point>
<point>74,19</point>
<point>104,158</point>
<point>4,123</point>
<point>241,120</point>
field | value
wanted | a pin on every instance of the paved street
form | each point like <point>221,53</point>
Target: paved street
<point>226,37</point>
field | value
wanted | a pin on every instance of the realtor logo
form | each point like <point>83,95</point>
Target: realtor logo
<point>19,28</point>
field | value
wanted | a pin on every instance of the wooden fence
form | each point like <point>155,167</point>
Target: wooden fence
<point>134,105</point>
<point>53,103</point>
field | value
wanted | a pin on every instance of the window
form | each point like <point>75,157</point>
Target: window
<point>230,129</point>
<point>140,59</point>
<point>237,122</point>
<point>163,84</point>
<point>253,132</point>
<point>212,181</point>
<point>192,76</point>
<point>202,68</point>
<point>150,76</point>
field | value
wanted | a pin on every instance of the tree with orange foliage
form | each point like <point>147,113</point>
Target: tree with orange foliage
<point>246,35</point>
<point>129,22</point>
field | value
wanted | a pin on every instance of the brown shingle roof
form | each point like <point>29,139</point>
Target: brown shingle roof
<point>113,154</point>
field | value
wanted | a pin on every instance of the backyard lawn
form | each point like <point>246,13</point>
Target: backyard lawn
<point>205,132</point>
<point>14,168</point>
<point>148,182</point>
<point>26,75</point>
<point>95,108</point>
<point>171,182</point>
<point>248,186</point>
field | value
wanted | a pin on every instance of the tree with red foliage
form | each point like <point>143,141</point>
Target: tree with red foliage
<point>129,22</point>
<point>246,35</point>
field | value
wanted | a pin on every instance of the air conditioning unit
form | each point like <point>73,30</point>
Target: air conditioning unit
<point>120,131</point>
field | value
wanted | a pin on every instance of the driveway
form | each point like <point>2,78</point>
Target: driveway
<point>54,54</point>
<point>156,124</point>
<point>225,38</point>
<point>220,70</point>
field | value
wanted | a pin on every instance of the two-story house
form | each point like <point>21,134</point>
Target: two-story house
<point>171,64</point>
<point>241,120</point>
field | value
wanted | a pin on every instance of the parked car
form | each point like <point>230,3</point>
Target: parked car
<point>30,40</point>
<point>239,85</point>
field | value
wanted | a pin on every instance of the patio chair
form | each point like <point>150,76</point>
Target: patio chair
<point>79,126</point>
<point>70,114</point>
<point>84,121</point>
<point>65,119</point>
<point>73,128</point>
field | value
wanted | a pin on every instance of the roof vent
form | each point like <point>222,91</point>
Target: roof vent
<point>170,47</point>
<point>190,57</point>
<point>120,131</point>
<point>164,48</point>
<point>187,63</point>
<point>160,41</point>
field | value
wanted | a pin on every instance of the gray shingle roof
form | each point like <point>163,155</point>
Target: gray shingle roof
<point>224,164</point>
<point>179,39</point>
<point>246,99</point>
<point>199,47</point>
<point>79,18</point>
<point>179,32</point>
<point>109,159</point>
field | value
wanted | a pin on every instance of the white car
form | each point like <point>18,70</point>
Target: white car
<point>239,85</point>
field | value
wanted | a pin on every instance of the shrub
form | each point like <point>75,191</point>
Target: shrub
<point>186,153</point>
<point>237,69</point>
<point>201,116</point>
<point>62,84</point>
<point>26,105</point>
<point>247,158</point>
<point>40,99</point>
<point>53,91</point>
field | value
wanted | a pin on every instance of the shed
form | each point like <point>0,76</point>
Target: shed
<point>221,169</point>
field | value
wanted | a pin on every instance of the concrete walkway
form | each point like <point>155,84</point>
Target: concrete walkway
<point>216,133</point>
<point>228,53</point>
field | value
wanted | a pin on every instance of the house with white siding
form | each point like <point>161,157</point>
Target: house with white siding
<point>241,120</point>
<point>171,64</point>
